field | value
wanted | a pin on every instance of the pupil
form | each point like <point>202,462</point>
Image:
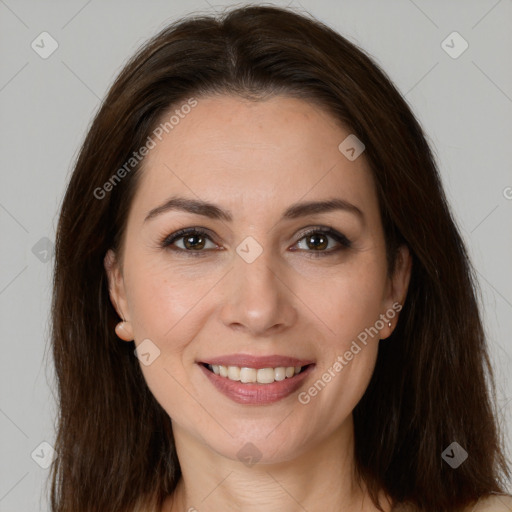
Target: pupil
<point>321,245</point>
<point>191,242</point>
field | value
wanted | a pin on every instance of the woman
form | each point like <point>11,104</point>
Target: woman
<point>261,300</point>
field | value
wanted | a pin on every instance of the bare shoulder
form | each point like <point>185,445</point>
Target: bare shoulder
<point>489,503</point>
<point>493,503</point>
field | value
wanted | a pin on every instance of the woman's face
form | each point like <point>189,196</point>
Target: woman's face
<point>272,279</point>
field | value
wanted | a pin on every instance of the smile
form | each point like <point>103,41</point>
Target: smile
<point>255,380</point>
<point>252,375</point>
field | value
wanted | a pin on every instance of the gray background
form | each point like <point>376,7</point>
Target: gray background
<point>46,105</point>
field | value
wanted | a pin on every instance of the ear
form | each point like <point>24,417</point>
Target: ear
<point>401,275</point>
<point>118,294</point>
<point>397,290</point>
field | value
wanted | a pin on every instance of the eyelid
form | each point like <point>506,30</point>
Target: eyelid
<point>168,240</point>
<point>340,238</point>
<point>327,230</point>
<point>343,242</point>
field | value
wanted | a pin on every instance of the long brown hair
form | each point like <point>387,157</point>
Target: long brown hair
<point>433,382</point>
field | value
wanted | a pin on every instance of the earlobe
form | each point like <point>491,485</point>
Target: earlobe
<point>124,331</point>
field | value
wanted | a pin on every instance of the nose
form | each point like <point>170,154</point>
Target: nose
<point>259,301</point>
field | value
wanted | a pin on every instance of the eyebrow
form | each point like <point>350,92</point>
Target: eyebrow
<point>212,211</point>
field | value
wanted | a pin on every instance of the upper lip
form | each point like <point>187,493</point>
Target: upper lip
<point>250,361</point>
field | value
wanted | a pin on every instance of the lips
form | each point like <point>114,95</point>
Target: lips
<point>247,392</point>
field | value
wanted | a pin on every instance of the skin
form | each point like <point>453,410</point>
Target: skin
<point>255,159</point>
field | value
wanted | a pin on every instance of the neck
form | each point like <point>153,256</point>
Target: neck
<point>319,478</point>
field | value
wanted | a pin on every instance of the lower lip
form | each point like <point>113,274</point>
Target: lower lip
<point>257,394</point>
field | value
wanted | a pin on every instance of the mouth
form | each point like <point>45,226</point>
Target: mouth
<point>248,375</point>
<point>256,381</point>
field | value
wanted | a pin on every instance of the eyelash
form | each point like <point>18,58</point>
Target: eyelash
<point>344,242</point>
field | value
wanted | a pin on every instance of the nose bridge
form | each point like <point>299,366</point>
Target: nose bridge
<point>255,275</point>
<point>256,268</point>
<point>258,298</point>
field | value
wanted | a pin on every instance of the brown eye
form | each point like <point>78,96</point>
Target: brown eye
<point>194,242</point>
<point>189,240</point>
<point>317,241</point>
<point>323,242</point>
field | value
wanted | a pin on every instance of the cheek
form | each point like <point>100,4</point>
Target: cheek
<point>170,310</point>
<point>165,311</point>
<point>348,302</point>
<point>348,310</point>
<point>161,300</point>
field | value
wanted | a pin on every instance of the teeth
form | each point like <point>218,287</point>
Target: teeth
<point>248,374</point>
<point>234,373</point>
<point>280,373</point>
<point>251,375</point>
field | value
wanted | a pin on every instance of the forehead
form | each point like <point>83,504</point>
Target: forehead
<point>253,155</point>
